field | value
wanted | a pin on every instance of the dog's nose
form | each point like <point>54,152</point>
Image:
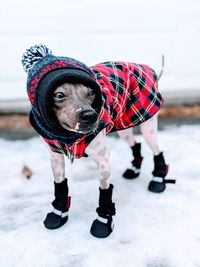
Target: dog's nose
<point>88,117</point>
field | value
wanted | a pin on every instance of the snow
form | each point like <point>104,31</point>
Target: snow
<point>151,230</point>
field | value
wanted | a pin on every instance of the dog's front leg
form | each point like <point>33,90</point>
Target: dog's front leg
<point>103,225</point>
<point>61,203</point>
<point>58,166</point>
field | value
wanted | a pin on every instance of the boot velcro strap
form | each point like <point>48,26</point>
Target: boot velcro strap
<point>60,213</point>
<point>106,221</point>
<point>162,180</point>
<point>101,219</point>
<point>136,170</point>
<point>170,181</point>
<point>158,179</point>
<point>65,212</point>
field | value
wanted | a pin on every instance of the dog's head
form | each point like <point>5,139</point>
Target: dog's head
<point>64,93</point>
<point>74,108</point>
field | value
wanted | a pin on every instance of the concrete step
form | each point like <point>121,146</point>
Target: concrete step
<point>26,133</point>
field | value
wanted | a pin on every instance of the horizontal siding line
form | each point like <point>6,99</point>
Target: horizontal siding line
<point>132,31</point>
<point>32,35</point>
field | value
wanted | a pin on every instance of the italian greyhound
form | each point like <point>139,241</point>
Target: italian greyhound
<point>75,106</point>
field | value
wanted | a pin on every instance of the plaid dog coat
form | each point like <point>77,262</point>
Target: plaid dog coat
<point>130,97</point>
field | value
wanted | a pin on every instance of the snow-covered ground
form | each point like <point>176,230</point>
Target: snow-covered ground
<point>151,230</point>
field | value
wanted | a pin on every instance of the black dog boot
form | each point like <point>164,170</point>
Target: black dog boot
<point>61,204</point>
<point>134,172</point>
<point>103,225</point>
<point>157,185</point>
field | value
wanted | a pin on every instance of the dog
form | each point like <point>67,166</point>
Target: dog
<point>74,107</point>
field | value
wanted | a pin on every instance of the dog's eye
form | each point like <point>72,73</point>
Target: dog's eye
<point>91,93</point>
<point>59,96</point>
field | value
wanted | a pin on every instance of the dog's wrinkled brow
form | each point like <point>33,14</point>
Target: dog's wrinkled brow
<point>72,88</point>
<point>63,88</point>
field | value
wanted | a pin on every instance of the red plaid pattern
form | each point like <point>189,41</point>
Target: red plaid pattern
<point>130,97</point>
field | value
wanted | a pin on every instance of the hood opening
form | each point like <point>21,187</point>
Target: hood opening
<point>45,90</point>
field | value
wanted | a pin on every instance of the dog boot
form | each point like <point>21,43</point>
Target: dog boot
<point>61,204</point>
<point>103,225</point>
<point>157,185</point>
<point>134,171</point>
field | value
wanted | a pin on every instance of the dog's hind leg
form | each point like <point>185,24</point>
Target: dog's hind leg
<point>103,225</point>
<point>134,170</point>
<point>61,203</point>
<point>149,132</point>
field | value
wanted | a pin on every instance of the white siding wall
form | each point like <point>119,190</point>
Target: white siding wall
<point>95,31</point>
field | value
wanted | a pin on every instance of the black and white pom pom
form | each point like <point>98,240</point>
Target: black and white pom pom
<point>33,55</point>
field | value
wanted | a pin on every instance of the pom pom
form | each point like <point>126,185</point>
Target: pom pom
<point>33,55</point>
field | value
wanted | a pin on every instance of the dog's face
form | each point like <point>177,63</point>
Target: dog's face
<point>73,107</point>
